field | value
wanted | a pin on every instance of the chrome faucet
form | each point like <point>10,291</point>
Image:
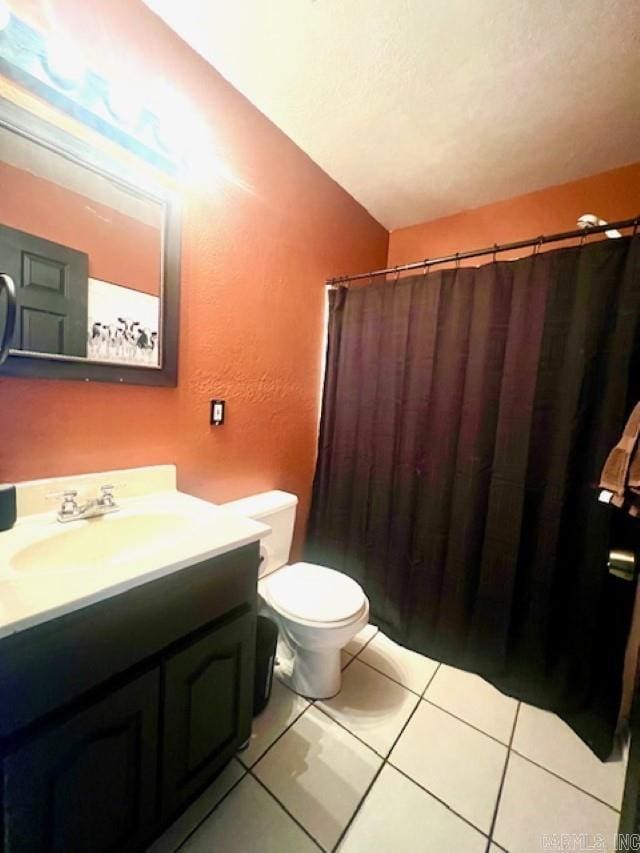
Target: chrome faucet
<point>71,510</point>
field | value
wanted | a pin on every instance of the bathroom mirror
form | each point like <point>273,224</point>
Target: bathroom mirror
<point>93,249</point>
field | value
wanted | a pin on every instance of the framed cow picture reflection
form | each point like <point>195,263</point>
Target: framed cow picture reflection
<point>123,324</point>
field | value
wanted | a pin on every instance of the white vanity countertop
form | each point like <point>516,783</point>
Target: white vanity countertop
<point>48,569</point>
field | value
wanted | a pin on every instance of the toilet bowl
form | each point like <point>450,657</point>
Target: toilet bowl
<point>317,610</point>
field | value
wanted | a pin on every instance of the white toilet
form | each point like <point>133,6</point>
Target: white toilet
<point>317,609</point>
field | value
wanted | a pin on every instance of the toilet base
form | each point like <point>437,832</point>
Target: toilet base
<point>312,674</point>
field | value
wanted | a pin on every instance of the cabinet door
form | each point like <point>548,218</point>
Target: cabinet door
<point>88,783</point>
<point>208,689</point>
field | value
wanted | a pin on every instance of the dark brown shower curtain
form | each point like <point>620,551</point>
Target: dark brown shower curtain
<point>466,416</point>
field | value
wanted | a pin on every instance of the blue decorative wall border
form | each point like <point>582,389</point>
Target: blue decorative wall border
<point>24,59</point>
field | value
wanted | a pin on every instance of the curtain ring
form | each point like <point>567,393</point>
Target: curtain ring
<point>457,260</point>
<point>426,268</point>
<point>495,249</point>
<point>536,248</point>
<point>636,222</point>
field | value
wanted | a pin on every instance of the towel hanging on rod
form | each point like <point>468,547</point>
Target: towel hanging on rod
<point>620,478</point>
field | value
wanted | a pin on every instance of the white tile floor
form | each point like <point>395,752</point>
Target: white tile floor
<point>410,757</point>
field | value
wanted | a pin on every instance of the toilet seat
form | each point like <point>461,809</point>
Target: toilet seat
<point>315,595</point>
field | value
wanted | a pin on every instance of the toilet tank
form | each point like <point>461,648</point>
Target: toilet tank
<point>278,510</point>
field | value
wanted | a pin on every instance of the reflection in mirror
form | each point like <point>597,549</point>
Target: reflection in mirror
<point>85,253</point>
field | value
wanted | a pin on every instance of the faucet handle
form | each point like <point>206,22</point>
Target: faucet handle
<point>106,495</point>
<point>69,505</point>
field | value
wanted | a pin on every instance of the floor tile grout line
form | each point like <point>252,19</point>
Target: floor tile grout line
<point>517,752</point>
<point>348,663</point>
<point>373,781</point>
<point>433,675</point>
<point>386,675</point>
<point>286,810</point>
<point>442,802</point>
<point>423,696</point>
<point>358,807</point>
<point>378,672</point>
<point>422,787</point>
<point>566,781</point>
<point>342,725</point>
<point>390,677</point>
<point>364,645</point>
<point>348,730</point>
<point>503,777</point>
<point>295,719</point>
<point>466,722</point>
<point>385,761</point>
<point>402,730</point>
<point>214,807</point>
<point>313,703</point>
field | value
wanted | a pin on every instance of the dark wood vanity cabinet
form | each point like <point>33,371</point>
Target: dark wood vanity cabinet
<point>89,782</point>
<point>206,716</point>
<point>109,768</point>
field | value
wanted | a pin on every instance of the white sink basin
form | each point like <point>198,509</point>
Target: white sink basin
<point>48,569</point>
<point>108,540</point>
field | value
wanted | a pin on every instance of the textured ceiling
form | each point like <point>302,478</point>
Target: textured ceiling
<point>420,108</point>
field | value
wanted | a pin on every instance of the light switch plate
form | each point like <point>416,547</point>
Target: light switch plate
<point>217,412</point>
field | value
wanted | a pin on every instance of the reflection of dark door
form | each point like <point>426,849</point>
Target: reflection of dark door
<point>51,289</point>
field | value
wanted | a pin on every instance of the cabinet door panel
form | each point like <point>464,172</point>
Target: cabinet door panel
<point>88,783</point>
<point>207,711</point>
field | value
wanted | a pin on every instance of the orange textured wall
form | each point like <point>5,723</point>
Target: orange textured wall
<point>121,249</point>
<point>611,195</point>
<point>263,227</point>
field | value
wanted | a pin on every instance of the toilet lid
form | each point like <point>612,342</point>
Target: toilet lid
<point>314,593</point>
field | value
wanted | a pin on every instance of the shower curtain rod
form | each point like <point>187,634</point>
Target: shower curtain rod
<point>492,250</point>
